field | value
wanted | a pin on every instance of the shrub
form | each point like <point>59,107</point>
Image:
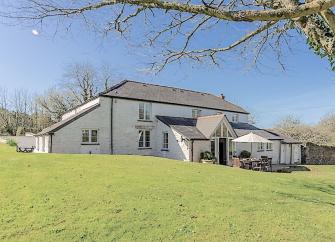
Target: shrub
<point>11,142</point>
<point>206,155</point>
<point>245,154</point>
<point>20,131</point>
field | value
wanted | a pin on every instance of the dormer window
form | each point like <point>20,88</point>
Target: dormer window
<point>144,111</point>
<point>235,118</point>
<point>196,113</point>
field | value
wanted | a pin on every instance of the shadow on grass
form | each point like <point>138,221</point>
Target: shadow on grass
<point>305,199</point>
<point>325,188</point>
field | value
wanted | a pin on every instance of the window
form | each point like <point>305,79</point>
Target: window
<point>268,146</point>
<point>85,138</point>
<point>144,111</point>
<point>213,147</point>
<point>144,139</point>
<point>89,136</point>
<point>235,118</point>
<point>260,147</point>
<point>218,132</point>
<point>94,136</point>
<point>165,141</point>
<point>196,113</point>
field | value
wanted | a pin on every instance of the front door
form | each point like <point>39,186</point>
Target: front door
<point>223,151</point>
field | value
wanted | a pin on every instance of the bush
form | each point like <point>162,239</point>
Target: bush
<point>20,131</point>
<point>245,154</point>
<point>207,155</point>
<point>11,142</point>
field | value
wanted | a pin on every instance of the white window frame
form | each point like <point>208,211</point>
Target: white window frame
<point>146,111</point>
<point>235,118</point>
<point>165,144</point>
<point>196,113</point>
<point>89,136</point>
<point>144,134</point>
<point>260,147</point>
<point>269,146</point>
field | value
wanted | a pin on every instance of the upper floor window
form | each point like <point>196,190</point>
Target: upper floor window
<point>235,118</point>
<point>196,113</point>
<point>165,141</point>
<point>268,146</point>
<point>89,136</point>
<point>144,139</point>
<point>144,111</point>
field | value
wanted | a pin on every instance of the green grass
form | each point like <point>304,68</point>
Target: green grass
<point>51,197</point>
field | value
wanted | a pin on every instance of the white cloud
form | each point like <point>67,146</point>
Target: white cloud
<point>35,32</point>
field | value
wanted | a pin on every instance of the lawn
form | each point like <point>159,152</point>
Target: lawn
<point>53,197</point>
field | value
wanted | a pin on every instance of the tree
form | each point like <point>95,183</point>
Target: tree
<point>293,127</point>
<point>327,126</point>
<point>80,83</point>
<point>176,24</point>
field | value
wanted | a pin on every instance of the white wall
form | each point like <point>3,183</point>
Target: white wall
<point>198,147</point>
<point>125,129</point>
<point>286,154</point>
<point>178,148</point>
<point>296,154</point>
<point>126,126</point>
<point>42,143</point>
<point>68,138</point>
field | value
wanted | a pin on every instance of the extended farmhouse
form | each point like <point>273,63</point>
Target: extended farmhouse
<point>147,119</point>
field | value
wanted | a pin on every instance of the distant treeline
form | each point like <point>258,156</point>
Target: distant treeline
<point>21,111</point>
<point>322,133</point>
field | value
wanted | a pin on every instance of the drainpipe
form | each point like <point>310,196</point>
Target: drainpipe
<point>291,154</point>
<point>50,148</point>
<point>191,150</point>
<point>279,153</point>
<point>111,135</point>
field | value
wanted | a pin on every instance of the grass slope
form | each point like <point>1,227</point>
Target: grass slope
<point>51,197</point>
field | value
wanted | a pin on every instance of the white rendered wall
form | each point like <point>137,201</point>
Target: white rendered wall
<point>68,138</point>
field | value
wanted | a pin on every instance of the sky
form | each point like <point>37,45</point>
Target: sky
<point>35,60</point>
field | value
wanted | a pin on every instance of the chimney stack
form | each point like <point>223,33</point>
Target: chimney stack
<point>222,96</point>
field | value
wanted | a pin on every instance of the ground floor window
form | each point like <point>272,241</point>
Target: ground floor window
<point>165,140</point>
<point>213,147</point>
<point>268,146</point>
<point>144,138</point>
<point>89,136</point>
<point>260,147</point>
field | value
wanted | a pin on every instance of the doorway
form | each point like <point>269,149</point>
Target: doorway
<point>223,151</point>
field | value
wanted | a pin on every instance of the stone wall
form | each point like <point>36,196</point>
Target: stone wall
<point>313,154</point>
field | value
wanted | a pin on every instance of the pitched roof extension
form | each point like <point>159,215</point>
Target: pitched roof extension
<point>53,128</point>
<point>184,126</point>
<point>245,128</point>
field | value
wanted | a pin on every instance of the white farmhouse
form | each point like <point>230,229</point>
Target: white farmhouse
<point>147,119</point>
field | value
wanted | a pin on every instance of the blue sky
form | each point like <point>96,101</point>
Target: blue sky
<point>306,89</point>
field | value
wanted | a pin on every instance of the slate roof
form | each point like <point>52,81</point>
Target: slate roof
<point>286,139</point>
<point>245,128</point>
<point>62,123</point>
<point>171,95</point>
<point>184,126</point>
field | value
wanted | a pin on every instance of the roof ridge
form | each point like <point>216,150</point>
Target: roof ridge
<point>212,115</point>
<point>183,89</point>
<point>113,87</point>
